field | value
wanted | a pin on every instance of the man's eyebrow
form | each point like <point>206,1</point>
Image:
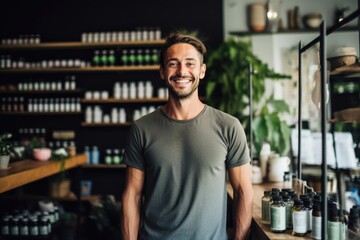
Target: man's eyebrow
<point>175,59</point>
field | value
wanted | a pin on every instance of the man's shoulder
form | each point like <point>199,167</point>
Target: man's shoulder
<point>220,115</point>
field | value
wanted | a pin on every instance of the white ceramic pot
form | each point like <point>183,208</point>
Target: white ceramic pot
<point>278,165</point>
<point>4,161</point>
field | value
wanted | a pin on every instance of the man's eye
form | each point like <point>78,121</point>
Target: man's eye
<point>190,64</point>
<point>172,64</point>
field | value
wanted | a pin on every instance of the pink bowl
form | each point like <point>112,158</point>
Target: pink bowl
<point>42,154</point>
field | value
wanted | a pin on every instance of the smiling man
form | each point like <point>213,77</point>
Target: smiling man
<point>178,158</point>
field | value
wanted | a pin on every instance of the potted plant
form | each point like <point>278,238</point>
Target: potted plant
<point>227,89</point>
<point>6,148</point>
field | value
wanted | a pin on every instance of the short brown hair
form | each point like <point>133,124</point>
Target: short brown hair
<point>178,37</point>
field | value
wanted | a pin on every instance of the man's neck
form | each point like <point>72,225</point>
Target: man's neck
<point>183,109</point>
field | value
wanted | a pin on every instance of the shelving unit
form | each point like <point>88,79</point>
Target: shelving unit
<point>323,32</point>
<point>70,45</point>
<point>83,69</point>
<point>90,78</point>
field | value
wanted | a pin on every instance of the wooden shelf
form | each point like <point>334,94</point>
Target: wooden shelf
<point>69,45</point>
<point>27,171</point>
<point>40,91</point>
<point>299,31</point>
<point>353,69</point>
<point>108,166</point>
<point>84,69</point>
<point>114,100</point>
<point>106,124</point>
<point>39,113</point>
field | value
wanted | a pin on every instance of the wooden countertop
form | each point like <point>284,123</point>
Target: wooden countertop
<point>260,230</point>
<point>27,171</point>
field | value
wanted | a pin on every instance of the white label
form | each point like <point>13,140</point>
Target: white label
<point>316,227</point>
<point>299,221</point>
<point>265,211</point>
<point>278,218</point>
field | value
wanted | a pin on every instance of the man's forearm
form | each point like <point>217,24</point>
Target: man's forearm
<point>130,219</point>
<point>242,214</point>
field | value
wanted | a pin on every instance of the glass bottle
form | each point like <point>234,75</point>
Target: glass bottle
<point>132,57</point>
<point>265,207</point>
<point>333,224</point>
<point>124,57</point>
<point>108,157</point>
<point>24,228</point>
<point>95,155</point>
<point>278,215</point>
<point>88,155</point>
<point>5,227</point>
<point>116,157</point>
<point>316,222</point>
<point>103,58</point>
<point>309,208</point>
<point>14,228</point>
<point>139,57</point>
<point>289,203</point>
<point>147,57</point>
<point>299,218</point>
<point>154,57</point>
<point>111,58</point>
<point>34,228</point>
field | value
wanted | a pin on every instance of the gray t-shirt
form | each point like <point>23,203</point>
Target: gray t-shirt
<point>185,165</point>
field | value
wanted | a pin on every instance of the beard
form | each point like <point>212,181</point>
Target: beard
<point>178,94</point>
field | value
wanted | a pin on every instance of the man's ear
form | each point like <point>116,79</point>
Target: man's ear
<point>202,70</point>
<point>161,70</point>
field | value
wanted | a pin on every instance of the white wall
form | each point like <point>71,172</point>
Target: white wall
<point>268,47</point>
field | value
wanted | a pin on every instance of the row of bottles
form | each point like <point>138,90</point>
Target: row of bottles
<point>132,90</point>
<point>96,115</point>
<point>140,34</point>
<point>139,57</point>
<point>54,105</point>
<point>8,62</point>
<point>19,104</point>
<point>22,40</point>
<point>284,209</point>
<point>29,225</point>
<point>111,156</point>
<point>41,85</point>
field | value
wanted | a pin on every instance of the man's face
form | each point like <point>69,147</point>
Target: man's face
<point>183,69</point>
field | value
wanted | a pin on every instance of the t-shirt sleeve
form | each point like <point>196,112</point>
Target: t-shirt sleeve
<point>238,151</point>
<point>133,155</point>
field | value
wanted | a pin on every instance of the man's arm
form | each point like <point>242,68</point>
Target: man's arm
<point>131,203</point>
<point>240,179</point>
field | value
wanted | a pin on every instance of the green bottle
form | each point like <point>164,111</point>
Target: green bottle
<point>154,57</point>
<point>124,57</point>
<point>139,57</point>
<point>108,159</point>
<point>132,57</point>
<point>116,157</point>
<point>111,58</point>
<point>103,58</point>
<point>147,57</point>
<point>96,58</point>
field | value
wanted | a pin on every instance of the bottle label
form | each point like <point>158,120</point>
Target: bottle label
<point>15,230</point>
<point>299,221</point>
<point>316,227</point>
<point>333,230</point>
<point>44,230</point>
<point>5,230</point>
<point>265,217</point>
<point>278,218</point>
<point>34,231</point>
<point>24,231</point>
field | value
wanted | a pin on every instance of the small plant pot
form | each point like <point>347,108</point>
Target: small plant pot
<point>4,161</point>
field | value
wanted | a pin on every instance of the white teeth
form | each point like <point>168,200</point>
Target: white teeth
<point>182,81</point>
